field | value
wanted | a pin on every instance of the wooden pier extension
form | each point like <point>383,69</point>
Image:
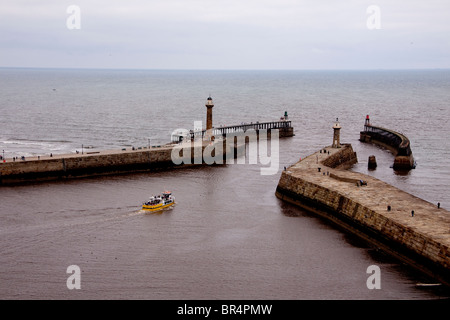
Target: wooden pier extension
<point>284,128</point>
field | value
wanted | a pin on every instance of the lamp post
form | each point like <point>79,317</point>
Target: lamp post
<point>149,143</point>
<point>4,156</point>
<point>82,149</point>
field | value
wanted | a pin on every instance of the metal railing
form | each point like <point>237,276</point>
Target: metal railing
<point>389,137</point>
<point>223,131</point>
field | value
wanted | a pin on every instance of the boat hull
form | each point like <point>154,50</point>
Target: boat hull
<point>157,207</point>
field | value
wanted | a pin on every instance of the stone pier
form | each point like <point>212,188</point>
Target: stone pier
<point>394,141</point>
<point>105,162</point>
<point>401,224</point>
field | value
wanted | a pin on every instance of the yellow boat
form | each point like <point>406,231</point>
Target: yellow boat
<point>159,202</point>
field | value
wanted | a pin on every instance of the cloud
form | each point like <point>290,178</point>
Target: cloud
<point>223,34</point>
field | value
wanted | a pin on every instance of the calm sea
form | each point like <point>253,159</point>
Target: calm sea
<point>228,237</point>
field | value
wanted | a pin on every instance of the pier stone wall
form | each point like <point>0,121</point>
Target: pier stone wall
<point>345,158</point>
<point>72,165</point>
<point>394,141</point>
<point>112,161</point>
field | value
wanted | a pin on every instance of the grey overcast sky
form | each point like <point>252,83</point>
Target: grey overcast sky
<point>226,34</point>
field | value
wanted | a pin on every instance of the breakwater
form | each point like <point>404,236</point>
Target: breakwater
<point>396,142</point>
<point>410,228</point>
<point>201,150</point>
<point>65,166</point>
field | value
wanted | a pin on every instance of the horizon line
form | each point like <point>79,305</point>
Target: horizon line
<point>222,69</point>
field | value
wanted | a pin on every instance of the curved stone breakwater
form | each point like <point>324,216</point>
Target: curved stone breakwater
<point>401,224</point>
<point>394,141</point>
